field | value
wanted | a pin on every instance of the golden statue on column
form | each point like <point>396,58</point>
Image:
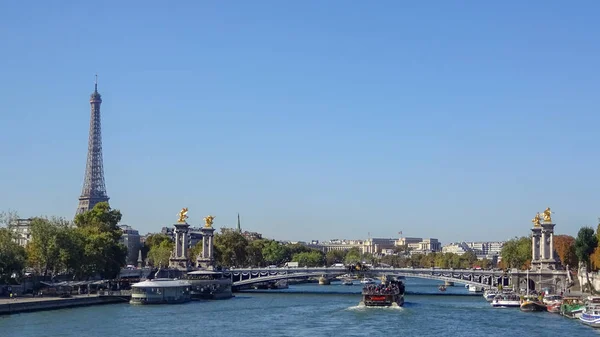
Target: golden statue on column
<point>536,220</point>
<point>182,215</point>
<point>208,221</point>
<point>547,215</point>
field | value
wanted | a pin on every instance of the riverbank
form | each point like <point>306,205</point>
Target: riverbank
<point>30,304</point>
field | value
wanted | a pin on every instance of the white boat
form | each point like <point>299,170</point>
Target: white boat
<point>475,289</point>
<point>347,282</point>
<point>367,280</point>
<point>591,314</point>
<point>551,299</point>
<point>489,294</point>
<point>506,300</point>
<point>160,291</point>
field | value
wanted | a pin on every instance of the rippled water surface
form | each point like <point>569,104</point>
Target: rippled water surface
<point>302,310</point>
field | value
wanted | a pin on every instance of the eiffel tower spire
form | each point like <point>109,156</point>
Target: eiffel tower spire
<point>94,190</point>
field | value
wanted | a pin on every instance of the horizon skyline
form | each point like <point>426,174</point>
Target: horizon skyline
<point>312,120</point>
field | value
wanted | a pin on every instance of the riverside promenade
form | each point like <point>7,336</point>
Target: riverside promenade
<point>29,304</point>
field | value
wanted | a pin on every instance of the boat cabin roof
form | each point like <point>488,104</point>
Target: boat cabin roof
<point>552,296</point>
<point>161,283</point>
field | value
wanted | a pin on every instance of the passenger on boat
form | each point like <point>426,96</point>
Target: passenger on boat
<point>381,289</point>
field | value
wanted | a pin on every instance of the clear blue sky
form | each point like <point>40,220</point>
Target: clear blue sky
<point>312,119</point>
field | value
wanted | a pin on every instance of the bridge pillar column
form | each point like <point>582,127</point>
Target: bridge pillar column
<point>206,258</point>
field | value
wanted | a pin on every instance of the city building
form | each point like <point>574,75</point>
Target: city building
<point>22,229</point>
<point>131,239</point>
<point>458,248</point>
<point>420,245</point>
<point>337,244</point>
<point>484,249</point>
<point>371,245</point>
<point>377,245</point>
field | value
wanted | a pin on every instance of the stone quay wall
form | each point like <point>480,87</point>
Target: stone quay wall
<point>28,304</point>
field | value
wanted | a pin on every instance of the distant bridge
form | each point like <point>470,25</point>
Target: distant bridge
<point>558,280</point>
<point>249,276</point>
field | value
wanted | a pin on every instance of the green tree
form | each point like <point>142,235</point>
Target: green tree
<point>394,261</point>
<point>335,256</point>
<point>516,253</point>
<point>230,249</point>
<point>71,251</point>
<point>160,253</point>
<point>585,243</point>
<point>43,250</point>
<point>12,256</point>
<point>468,259</point>
<point>254,253</point>
<point>152,241</point>
<point>415,260</point>
<point>156,240</point>
<point>274,253</point>
<point>309,259</point>
<point>353,256</point>
<point>103,252</point>
<point>295,248</point>
<point>101,219</point>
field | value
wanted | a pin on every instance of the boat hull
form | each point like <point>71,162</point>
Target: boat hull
<point>506,304</point>
<point>143,299</point>
<point>532,307</point>
<point>573,314</point>
<point>382,301</point>
<point>554,307</point>
<point>591,320</point>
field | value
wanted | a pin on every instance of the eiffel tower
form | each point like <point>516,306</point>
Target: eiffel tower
<point>94,190</point>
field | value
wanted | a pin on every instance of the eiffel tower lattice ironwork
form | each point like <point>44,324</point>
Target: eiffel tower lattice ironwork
<point>94,190</point>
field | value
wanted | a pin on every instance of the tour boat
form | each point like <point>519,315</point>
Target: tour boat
<point>209,285</point>
<point>367,280</point>
<point>591,313</point>
<point>389,293</point>
<point>442,288</point>
<point>572,307</point>
<point>506,300</point>
<point>554,307</point>
<point>531,303</point>
<point>550,299</point>
<point>475,289</point>
<point>160,291</point>
<point>553,303</point>
<point>490,294</point>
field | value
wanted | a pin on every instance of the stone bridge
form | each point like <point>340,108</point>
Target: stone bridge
<point>249,276</point>
<point>556,280</point>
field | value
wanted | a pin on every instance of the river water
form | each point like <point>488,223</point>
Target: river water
<point>302,310</point>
